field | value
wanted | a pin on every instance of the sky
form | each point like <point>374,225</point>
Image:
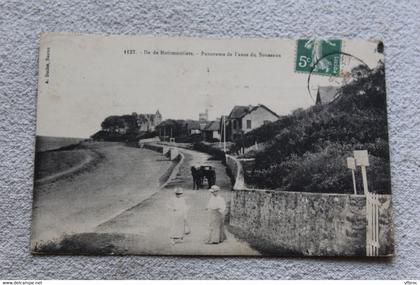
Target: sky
<point>83,79</point>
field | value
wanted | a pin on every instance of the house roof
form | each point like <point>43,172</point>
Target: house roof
<point>240,111</point>
<point>168,122</point>
<point>213,126</point>
<point>192,125</point>
<point>326,94</point>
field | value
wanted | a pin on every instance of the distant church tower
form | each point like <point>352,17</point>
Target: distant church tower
<point>203,117</point>
<point>158,118</point>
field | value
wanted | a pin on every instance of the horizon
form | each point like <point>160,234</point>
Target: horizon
<point>91,78</point>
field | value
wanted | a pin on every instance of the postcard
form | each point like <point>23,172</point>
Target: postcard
<point>202,146</point>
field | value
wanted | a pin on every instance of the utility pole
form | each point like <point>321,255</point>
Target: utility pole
<point>224,134</point>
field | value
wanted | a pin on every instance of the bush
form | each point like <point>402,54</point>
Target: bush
<point>307,150</point>
<point>83,243</point>
<point>216,153</point>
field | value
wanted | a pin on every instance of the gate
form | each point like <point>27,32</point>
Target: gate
<point>372,231</point>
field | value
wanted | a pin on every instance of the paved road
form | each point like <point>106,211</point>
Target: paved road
<point>74,204</point>
<point>149,221</point>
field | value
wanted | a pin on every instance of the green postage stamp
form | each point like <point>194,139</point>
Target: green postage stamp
<point>318,56</point>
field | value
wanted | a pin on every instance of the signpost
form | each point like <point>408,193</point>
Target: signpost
<point>362,160</point>
<point>351,164</point>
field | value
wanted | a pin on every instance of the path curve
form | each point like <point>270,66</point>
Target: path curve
<point>149,222</point>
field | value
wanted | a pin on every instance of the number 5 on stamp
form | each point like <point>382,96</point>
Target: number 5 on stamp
<point>318,56</point>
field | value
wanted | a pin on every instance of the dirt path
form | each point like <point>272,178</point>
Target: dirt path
<point>78,203</point>
<point>150,220</point>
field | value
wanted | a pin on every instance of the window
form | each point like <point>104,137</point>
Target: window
<point>234,124</point>
<point>248,124</point>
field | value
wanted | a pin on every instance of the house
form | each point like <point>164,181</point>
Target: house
<point>169,129</point>
<point>212,132</point>
<point>181,130</point>
<point>243,119</point>
<point>147,122</point>
<point>131,124</point>
<point>326,94</point>
<point>193,127</point>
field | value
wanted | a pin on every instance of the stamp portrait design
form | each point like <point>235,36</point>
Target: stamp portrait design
<point>318,56</point>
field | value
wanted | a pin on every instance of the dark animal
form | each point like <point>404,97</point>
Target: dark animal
<point>196,177</point>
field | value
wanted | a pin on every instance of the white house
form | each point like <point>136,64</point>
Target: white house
<point>326,94</point>
<point>243,119</point>
<point>212,131</point>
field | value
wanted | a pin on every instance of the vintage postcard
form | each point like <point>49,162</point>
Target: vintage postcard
<point>192,146</point>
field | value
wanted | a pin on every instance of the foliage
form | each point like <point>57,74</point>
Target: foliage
<point>307,150</point>
<point>83,243</point>
<point>115,137</point>
<point>216,153</point>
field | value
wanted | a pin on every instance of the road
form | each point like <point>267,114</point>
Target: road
<point>121,196</point>
<point>150,220</point>
<point>78,203</point>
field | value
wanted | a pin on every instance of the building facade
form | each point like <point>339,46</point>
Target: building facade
<point>326,94</point>
<point>243,119</point>
<point>147,122</point>
<point>211,132</point>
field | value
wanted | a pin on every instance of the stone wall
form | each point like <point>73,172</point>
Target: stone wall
<point>155,147</point>
<point>170,152</point>
<point>174,155</point>
<point>307,223</point>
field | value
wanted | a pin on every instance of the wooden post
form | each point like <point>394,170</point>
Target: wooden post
<point>351,164</point>
<point>364,177</point>
<point>224,134</point>
<point>354,182</point>
<point>372,204</point>
<point>362,160</point>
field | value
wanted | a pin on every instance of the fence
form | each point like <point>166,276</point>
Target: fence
<point>256,147</point>
<point>372,231</point>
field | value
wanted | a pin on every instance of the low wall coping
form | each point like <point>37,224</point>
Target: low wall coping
<point>239,178</point>
<point>305,193</point>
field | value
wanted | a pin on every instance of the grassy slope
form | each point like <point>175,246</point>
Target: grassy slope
<point>44,143</point>
<point>53,162</point>
<point>307,150</point>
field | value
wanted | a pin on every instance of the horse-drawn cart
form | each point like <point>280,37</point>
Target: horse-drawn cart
<point>204,174</point>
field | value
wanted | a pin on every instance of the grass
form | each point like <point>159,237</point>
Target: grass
<point>265,247</point>
<point>84,243</point>
<point>44,143</point>
<point>53,162</point>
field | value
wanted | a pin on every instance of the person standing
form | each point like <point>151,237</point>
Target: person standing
<point>179,211</point>
<point>217,207</point>
<point>194,174</point>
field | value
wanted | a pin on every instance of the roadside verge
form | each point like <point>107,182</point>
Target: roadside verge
<point>173,170</point>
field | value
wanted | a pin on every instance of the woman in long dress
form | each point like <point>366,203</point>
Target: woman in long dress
<point>217,207</point>
<point>179,210</point>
